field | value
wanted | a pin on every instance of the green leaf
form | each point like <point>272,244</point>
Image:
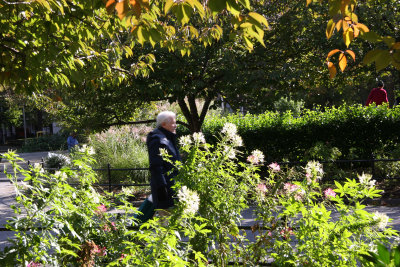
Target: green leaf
<point>370,56</point>
<point>216,6</point>
<point>383,253</point>
<point>371,37</point>
<point>382,60</point>
<point>233,7</point>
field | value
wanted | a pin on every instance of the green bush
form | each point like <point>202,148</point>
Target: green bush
<point>122,148</point>
<point>45,143</point>
<point>352,131</point>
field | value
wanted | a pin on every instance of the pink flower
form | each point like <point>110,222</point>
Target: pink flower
<point>269,234</point>
<point>33,264</point>
<point>262,187</point>
<point>286,232</point>
<point>274,167</point>
<point>329,193</point>
<point>101,209</point>
<point>113,225</point>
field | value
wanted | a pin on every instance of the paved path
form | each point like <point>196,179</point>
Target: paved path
<point>7,199</point>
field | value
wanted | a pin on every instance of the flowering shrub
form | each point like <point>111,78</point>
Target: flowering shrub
<point>297,222</point>
<point>301,227</point>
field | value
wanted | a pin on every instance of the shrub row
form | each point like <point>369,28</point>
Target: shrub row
<point>357,132</point>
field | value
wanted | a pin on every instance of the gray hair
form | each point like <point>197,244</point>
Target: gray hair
<point>164,116</point>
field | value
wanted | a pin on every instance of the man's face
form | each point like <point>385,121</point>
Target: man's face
<point>170,125</point>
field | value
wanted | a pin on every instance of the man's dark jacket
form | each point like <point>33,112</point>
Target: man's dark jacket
<point>161,175</point>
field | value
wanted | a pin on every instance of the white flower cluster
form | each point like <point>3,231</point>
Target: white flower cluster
<point>61,175</point>
<point>382,220</point>
<point>230,131</point>
<point>38,168</point>
<point>256,157</point>
<point>366,180</point>
<point>190,200</point>
<point>185,140</point>
<point>86,149</point>
<point>230,152</point>
<point>199,138</point>
<point>314,170</point>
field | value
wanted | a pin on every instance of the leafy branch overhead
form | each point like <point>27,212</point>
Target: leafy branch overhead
<point>169,23</point>
<point>343,18</point>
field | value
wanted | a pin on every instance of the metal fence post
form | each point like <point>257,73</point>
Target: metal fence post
<point>373,165</point>
<point>109,176</point>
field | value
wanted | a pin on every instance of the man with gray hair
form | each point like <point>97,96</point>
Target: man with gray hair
<point>162,173</point>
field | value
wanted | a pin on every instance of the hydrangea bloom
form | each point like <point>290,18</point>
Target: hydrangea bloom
<point>190,200</point>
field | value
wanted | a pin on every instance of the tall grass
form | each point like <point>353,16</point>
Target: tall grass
<point>122,147</point>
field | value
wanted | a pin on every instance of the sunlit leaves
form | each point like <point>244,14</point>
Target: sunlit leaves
<point>342,61</point>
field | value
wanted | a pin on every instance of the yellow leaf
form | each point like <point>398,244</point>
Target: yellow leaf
<point>329,28</point>
<point>348,36</point>
<point>352,54</point>
<point>334,51</point>
<point>309,2</point>
<point>362,27</point>
<point>261,19</point>
<point>122,9</point>
<point>249,44</point>
<point>168,5</point>
<point>342,62</point>
<point>332,70</point>
<point>339,25</point>
<point>356,31</point>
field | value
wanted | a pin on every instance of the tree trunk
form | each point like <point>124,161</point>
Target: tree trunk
<point>190,111</point>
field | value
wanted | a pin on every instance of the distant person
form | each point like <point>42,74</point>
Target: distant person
<point>377,95</point>
<point>72,141</point>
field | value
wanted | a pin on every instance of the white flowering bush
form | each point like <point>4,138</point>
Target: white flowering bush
<point>222,185</point>
<point>296,225</point>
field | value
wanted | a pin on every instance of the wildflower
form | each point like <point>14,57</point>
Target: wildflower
<point>199,138</point>
<point>314,169</point>
<point>230,153</point>
<point>237,141</point>
<point>329,193</point>
<point>101,209</point>
<point>274,167</point>
<point>185,140</point>
<point>262,188</point>
<point>365,179</point>
<point>256,157</point>
<point>114,226</point>
<point>381,219</point>
<point>229,130</point>
<point>60,175</point>
<point>190,200</point>
<point>286,232</point>
<point>38,168</point>
<point>295,190</point>
<point>33,264</point>
<point>164,152</point>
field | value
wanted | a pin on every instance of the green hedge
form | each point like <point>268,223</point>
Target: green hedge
<point>356,131</point>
